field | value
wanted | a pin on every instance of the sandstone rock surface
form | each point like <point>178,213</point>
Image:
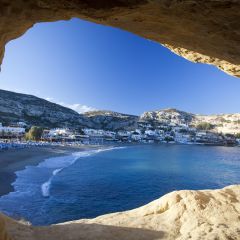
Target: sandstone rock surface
<point>202,31</point>
<point>206,214</point>
<point>206,31</point>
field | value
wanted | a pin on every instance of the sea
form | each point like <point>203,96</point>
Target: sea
<point>111,179</point>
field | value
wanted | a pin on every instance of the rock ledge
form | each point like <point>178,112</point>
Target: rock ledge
<point>201,31</point>
<point>186,214</point>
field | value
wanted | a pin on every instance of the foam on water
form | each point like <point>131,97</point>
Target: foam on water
<point>46,186</point>
<point>60,163</point>
<point>56,191</point>
<point>34,182</point>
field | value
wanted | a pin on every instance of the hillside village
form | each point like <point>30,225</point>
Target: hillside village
<point>58,124</point>
<point>164,126</point>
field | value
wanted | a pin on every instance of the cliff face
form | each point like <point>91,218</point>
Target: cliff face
<point>206,214</point>
<point>16,107</point>
<point>201,31</point>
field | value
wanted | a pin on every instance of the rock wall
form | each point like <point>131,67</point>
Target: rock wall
<point>180,215</point>
<point>206,31</point>
<point>202,31</point>
<point>3,232</point>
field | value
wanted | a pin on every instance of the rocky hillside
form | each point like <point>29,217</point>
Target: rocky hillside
<point>15,107</point>
<point>109,120</point>
<point>225,123</point>
<point>167,116</point>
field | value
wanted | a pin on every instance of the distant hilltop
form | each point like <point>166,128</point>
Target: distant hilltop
<point>221,123</point>
<point>16,107</point>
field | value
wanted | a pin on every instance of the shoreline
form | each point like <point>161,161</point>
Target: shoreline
<point>14,160</point>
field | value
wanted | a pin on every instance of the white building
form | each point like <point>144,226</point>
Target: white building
<point>123,133</point>
<point>98,133</point>
<point>183,138</point>
<point>109,134</point>
<point>151,132</point>
<point>136,136</point>
<point>21,124</point>
<point>93,132</point>
<point>59,132</point>
<point>11,130</point>
<point>201,134</point>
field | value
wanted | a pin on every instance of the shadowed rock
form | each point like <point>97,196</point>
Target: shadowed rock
<point>201,31</point>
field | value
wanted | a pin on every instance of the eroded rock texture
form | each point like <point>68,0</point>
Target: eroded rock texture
<point>180,215</point>
<point>206,31</point>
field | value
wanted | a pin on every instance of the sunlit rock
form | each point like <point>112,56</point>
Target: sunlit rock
<point>206,214</point>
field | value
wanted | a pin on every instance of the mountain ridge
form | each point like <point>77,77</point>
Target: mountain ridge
<point>15,107</point>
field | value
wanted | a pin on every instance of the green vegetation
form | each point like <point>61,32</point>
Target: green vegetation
<point>205,126</point>
<point>34,134</point>
<point>168,139</point>
<point>229,135</point>
<point>221,119</point>
<point>237,122</point>
<point>136,133</point>
<point>183,130</point>
<point>237,135</point>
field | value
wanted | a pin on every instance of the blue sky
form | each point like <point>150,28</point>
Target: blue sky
<point>81,63</point>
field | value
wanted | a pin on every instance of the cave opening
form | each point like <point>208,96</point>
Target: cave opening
<point>129,75</point>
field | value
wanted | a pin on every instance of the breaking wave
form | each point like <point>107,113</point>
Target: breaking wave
<point>60,163</point>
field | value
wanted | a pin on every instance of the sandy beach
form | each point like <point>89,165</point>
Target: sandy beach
<point>17,159</point>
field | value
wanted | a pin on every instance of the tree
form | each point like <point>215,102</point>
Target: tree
<point>35,133</point>
<point>237,135</point>
<point>2,133</point>
<point>168,139</point>
<point>205,126</point>
<point>80,131</point>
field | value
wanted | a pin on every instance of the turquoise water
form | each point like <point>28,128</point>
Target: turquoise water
<point>92,183</point>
